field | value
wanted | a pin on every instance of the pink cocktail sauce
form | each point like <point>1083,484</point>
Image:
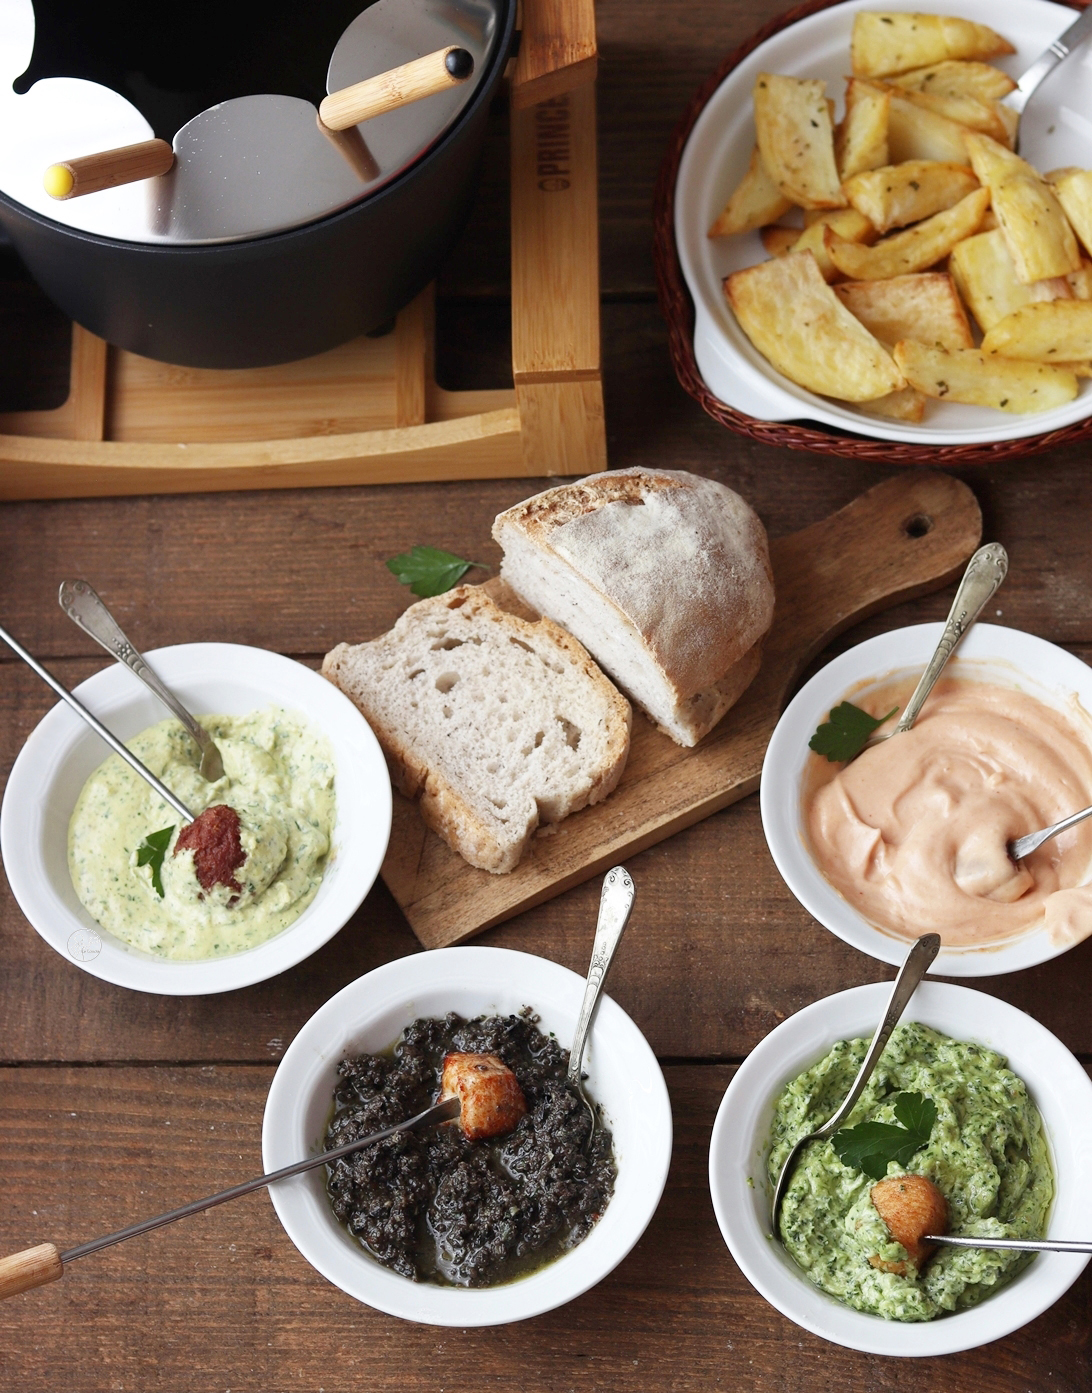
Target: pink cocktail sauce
<point>912,833</point>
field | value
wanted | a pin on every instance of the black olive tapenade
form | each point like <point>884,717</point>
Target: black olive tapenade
<point>437,1207</point>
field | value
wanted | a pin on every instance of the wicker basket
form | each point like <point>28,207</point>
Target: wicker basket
<point>678,310</point>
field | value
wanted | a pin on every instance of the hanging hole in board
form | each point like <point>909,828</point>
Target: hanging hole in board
<point>918,526</point>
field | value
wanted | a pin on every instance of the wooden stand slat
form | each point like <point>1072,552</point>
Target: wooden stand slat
<point>370,411</point>
<point>557,50</point>
<point>829,576</point>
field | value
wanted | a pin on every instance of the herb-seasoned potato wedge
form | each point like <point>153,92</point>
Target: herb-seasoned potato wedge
<point>794,319</point>
<point>796,138</point>
<point>847,223</point>
<point>755,202</point>
<point>957,79</point>
<point>916,249</point>
<point>926,308</point>
<point>913,133</point>
<point>895,43</point>
<point>986,278</point>
<point>1051,331</point>
<point>966,111</point>
<point>1074,190</point>
<point>860,141</point>
<point>904,193</point>
<point>981,379</point>
<point>1080,282</point>
<point>1036,231</point>
<point>779,240</point>
<point>907,404</point>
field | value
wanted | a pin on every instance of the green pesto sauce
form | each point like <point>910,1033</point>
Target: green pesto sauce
<point>279,778</point>
<point>987,1154</point>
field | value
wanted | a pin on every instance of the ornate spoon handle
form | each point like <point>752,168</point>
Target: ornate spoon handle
<point>85,608</point>
<point>985,571</point>
<point>615,904</point>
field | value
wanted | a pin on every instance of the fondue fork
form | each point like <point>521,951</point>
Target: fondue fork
<point>85,608</point>
<point>99,729</point>
<point>1024,846</point>
<point>985,571</point>
<point>917,964</point>
<point>34,1267</point>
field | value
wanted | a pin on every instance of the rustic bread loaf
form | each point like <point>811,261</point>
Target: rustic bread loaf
<point>663,576</point>
<point>493,722</point>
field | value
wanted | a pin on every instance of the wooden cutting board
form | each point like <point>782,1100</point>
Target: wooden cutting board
<point>905,537</point>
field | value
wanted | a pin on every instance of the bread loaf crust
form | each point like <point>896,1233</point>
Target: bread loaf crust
<point>680,561</point>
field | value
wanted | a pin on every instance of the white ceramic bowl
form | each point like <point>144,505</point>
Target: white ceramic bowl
<point>210,678</point>
<point>739,1149</point>
<point>367,1016</point>
<point>1054,132</point>
<point>989,653</point>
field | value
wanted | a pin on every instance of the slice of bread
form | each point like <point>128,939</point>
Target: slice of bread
<point>663,576</point>
<point>494,723</point>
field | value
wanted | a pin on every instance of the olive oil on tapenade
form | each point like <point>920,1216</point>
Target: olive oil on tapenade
<point>436,1207</point>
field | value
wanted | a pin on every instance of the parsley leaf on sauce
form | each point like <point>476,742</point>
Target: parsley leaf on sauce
<point>428,571</point>
<point>151,852</point>
<point>845,734</point>
<point>870,1146</point>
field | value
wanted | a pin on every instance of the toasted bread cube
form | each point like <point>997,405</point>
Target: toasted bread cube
<point>911,1206</point>
<point>492,1100</point>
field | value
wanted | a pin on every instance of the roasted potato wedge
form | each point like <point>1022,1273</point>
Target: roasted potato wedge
<point>913,133</point>
<point>899,194</point>
<point>847,223</point>
<point>957,79</point>
<point>1050,331</point>
<point>779,240</point>
<point>907,404</point>
<point>755,202</point>
<point>796,138</point>
<point>985,277</point>
<point>1080,282</point>
<point>926,308</point>
<point>895,43</point>
<point>966,111</point>
<point>860,141</point>
<point>1074,190</point>
<point>795,320</point>
<point>983,379</point>
<point>915,249</point>
<point>1036,232</point>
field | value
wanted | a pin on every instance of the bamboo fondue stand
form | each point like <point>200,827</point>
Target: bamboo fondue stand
<point>371,411</point>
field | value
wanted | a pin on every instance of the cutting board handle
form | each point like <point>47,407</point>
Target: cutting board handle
<point>557,50</point>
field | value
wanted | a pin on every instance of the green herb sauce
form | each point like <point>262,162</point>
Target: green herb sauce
<point>279,778</point>
<point>987,1154</point>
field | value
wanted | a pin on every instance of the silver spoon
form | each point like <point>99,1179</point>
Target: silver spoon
<point>917,963</point>
<point>1024,846</point>
<point>1060,49</point>
<point>615,904</point>
<point>34,1267</point>
<point>99,729</point>
<point>84,607</point>
<point>985,571</point>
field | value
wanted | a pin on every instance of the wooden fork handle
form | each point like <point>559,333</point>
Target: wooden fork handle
<point>107,169</point>
<point>33,1267</point>
<point>423,77</point>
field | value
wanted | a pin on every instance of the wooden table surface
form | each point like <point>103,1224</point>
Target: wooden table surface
<point>114,1105</point>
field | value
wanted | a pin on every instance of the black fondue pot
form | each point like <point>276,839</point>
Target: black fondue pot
<point>268,240</point>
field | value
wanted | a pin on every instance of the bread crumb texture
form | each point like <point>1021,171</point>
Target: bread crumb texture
<point>494,723</point>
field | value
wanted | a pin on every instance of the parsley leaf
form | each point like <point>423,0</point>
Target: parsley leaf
<point>428,571</point>
<point>151,852</point>
<point>846,733</point>
<point>870,1146</point>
